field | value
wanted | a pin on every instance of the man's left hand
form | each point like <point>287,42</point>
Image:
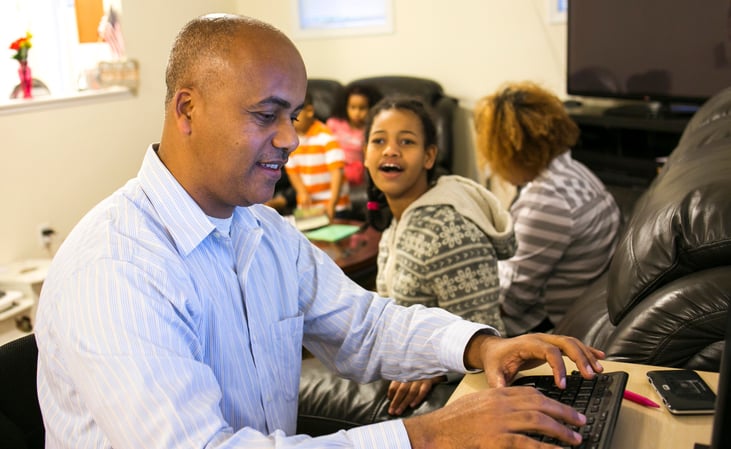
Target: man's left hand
<point>502,358</point>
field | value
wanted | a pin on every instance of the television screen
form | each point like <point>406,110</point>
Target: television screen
<point>675,51</point>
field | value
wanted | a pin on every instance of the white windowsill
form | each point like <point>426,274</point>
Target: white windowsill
<point>59,101</point>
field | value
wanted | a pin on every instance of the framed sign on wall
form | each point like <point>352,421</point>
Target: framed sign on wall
<point>333,18</point>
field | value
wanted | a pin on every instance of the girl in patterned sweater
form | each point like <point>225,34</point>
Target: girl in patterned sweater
<point>441,237</point>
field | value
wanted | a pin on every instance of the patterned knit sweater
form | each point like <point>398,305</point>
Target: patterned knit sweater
<point>443,251</point>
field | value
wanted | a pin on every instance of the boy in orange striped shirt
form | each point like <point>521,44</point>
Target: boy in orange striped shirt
<point>315,168</point>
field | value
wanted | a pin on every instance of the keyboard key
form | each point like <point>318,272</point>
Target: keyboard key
<point>600,399</point>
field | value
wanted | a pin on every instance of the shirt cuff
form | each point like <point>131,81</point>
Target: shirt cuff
<point>454,344</point>
<point>391,434</point>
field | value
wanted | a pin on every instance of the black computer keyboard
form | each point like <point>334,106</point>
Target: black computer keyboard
<point>599,399</point>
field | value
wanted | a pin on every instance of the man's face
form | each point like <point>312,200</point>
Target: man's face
<point>241,128</point>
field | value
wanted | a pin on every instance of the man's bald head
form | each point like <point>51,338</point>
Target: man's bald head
<point>204,45</point>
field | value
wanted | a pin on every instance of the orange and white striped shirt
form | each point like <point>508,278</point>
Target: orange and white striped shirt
<point>317,154</point>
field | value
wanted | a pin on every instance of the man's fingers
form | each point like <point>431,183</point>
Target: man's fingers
<point>534,413</point>
<point>538,414</point>
<point>585,357</point>
<point>496,417</point>
<point>496,378</point>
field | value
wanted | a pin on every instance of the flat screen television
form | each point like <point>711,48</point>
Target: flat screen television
<point>676,53</point>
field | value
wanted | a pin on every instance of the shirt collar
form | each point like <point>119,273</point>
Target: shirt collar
<point>178,212</point>
<point>562,160</point>
<point>558,163</point>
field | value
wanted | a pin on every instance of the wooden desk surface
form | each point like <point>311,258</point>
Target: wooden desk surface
<point>356,255</point>
<point>638,427</point>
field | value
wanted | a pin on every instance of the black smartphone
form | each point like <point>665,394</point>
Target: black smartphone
<point>683,391</point>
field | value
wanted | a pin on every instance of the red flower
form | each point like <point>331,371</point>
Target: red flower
<point>21,47</point>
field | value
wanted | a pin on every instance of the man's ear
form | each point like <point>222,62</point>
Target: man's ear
<point>183,102</point>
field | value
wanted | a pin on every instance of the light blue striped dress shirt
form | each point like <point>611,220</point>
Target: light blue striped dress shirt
<point>157,331</point>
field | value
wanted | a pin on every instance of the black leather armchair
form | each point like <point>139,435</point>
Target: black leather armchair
<point>21,422</point>
<point>665,296</point>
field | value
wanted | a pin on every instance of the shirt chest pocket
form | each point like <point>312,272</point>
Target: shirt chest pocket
<point>282,349</point>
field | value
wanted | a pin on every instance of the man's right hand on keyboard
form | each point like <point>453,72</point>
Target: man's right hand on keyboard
<point>496,418</point>
<point>503,417</point>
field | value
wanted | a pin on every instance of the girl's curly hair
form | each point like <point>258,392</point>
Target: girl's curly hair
<point>522,127</point>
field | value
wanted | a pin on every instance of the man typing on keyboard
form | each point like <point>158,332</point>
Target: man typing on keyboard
<point>175,313</point>
<point>504,417</point>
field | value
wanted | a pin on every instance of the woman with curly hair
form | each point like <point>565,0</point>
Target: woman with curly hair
<point>566,222</point>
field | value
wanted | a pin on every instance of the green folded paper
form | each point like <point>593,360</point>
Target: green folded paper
<point>333,232</point>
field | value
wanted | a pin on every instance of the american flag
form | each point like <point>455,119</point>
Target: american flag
<point>110,31</point>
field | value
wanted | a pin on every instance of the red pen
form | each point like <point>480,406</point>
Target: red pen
<point>639,399</point>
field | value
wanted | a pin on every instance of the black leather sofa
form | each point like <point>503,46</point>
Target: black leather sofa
<point>664,299</point>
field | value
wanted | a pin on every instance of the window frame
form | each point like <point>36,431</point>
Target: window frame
<point>341,21</point>
<point>56,58</point>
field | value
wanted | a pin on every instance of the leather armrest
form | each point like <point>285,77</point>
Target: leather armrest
<point>680,225</point>
<point>682,324</point>
<point>587,319</point>
<point>328,403</point>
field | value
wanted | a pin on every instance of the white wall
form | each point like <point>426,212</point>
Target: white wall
<point>469,46</point>
<point>56,164</point>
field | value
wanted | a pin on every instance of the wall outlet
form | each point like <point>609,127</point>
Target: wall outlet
<point>45,235</point>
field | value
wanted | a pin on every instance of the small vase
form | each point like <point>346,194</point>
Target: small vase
<point>26,79</point>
